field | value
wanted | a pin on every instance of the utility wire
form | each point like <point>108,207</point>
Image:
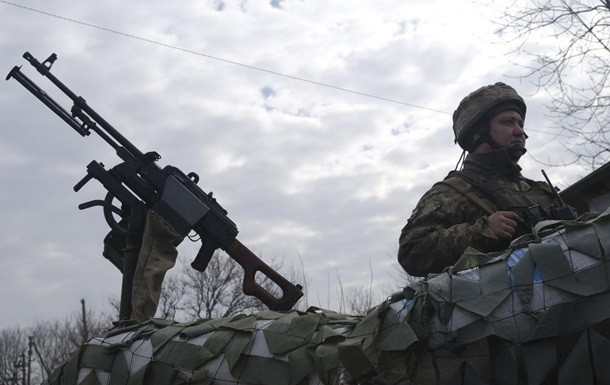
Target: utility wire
<point>221,59</point>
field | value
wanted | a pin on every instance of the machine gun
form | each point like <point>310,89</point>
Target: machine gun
<point>560,210</point>
<point>138,183</point>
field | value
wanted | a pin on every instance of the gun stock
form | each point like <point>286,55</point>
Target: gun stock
<point>251,265</point>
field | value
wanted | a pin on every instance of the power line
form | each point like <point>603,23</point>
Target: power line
<point>221,59</point>
<point>240,64</point>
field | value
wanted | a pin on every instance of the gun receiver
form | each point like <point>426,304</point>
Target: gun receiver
<point>173,195</point>
<point>560,210</point>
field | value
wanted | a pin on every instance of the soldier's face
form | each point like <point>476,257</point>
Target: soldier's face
<point>506,129</point>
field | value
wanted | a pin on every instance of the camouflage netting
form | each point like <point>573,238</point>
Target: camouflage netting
<point>535,314</point>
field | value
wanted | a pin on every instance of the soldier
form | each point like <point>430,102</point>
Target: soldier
<point>488,202</point>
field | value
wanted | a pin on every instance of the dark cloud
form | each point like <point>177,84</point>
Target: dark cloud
<point>276,3</point>
<point>219,5</point>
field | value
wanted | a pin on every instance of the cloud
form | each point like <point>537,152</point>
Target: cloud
<point>254,97</point>
<point>276,3</point>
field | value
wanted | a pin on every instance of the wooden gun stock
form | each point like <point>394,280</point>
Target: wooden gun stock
<point>251,265</point>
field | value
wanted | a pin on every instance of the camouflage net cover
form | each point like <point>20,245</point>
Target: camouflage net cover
<point>535,314</point>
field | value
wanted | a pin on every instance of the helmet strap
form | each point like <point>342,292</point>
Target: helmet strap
<point>515,152</point>
<point>485,137</point>
<point>460,161</point>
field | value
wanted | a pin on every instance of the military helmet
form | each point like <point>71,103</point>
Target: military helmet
<point>475,108</point>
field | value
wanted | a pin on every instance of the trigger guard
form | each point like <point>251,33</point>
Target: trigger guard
<point>108,210</point>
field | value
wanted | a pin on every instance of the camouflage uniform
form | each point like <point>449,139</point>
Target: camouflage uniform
<point>445,221</point>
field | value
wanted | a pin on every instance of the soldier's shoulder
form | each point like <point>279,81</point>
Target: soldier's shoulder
<point>537,184</point>
<point>453,185</point>
<point>440,196</point>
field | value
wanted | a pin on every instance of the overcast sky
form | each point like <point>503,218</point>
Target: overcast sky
<point>303,169</point>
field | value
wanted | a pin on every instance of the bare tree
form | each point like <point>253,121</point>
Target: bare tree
<point>19,353</point>
<point>83,325</point>
<point>217,292</point>
<point>296,275</point>
<point>55,340</point>
<point>27,355</point>
<point>13,342</point>
<point>358,299</point>
<point>573,70</point>
<point>114,311</point>
<point>172,294</point>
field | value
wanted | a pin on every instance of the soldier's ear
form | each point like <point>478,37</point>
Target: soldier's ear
<point>475,140</point>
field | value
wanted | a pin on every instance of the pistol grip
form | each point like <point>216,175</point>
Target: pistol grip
<point>204,255</point>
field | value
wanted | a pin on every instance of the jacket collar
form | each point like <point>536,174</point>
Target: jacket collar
<point>494,162</point>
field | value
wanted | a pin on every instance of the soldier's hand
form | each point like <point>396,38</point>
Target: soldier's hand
<point>503,223</point>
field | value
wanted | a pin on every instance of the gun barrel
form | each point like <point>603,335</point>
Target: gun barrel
<point>80,103</point>
<point>28,84</point>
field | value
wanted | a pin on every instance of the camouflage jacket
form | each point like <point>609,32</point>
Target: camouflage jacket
<point>446,221</point>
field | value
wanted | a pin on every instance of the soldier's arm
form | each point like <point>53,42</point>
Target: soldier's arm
<point>440,229</point>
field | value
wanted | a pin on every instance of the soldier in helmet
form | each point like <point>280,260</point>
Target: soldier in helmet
<point>488,202</point>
